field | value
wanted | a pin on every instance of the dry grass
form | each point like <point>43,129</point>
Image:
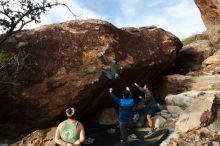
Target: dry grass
<point>194,38</point>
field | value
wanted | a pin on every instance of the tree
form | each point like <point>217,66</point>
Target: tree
<point>15,14</point>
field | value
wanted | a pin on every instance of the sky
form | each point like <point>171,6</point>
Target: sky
<point>180,17</point>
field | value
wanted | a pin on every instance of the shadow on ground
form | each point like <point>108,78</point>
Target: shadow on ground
<point>110,136</point>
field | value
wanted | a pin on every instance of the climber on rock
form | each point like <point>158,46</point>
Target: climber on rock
<point>115,70</point>
<point>151,105</point>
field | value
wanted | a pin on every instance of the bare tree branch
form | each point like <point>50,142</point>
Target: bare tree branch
<point>28,11</point>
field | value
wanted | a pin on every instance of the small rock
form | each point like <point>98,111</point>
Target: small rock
<point>111,131</point>
<point>89,140</point>
<point>174,109</point>
<point>136,117</point>
<point>215,143</point>
<point>164,111</point>
<point>197,138</point>
<point>166,116</point>
<point>159,121</point>
<point>175,115</point>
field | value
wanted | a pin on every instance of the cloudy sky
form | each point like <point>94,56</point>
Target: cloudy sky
<point>181,17</point>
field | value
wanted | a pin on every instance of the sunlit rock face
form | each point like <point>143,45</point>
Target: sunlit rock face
<point>64,63</point>
<point>212,63</point>
<point>210,10</point>
<point>43,137</point>
<point>176,83</point>
<point>203,115</point>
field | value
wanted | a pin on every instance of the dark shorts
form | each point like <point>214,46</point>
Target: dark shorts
<point>153,109</point>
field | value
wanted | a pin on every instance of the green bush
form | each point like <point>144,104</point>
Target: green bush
<point>194,38</point>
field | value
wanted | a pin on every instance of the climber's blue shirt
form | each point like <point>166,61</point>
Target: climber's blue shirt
<point>125,107</point>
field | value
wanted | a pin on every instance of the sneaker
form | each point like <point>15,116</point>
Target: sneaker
<point>151,131</point>
<point>132,137</point>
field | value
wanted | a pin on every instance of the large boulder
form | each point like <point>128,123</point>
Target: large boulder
<point>64,63</point>
<point>184,99</point>
<point>210,11</point>
<point>215,126</point>
<point>212,64</point>
<point>195,53</point>
<point>199,114</point>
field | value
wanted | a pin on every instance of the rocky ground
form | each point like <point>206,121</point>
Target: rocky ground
<point>197,94</point>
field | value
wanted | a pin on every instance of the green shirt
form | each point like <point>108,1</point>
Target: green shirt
<point>68,132</point>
